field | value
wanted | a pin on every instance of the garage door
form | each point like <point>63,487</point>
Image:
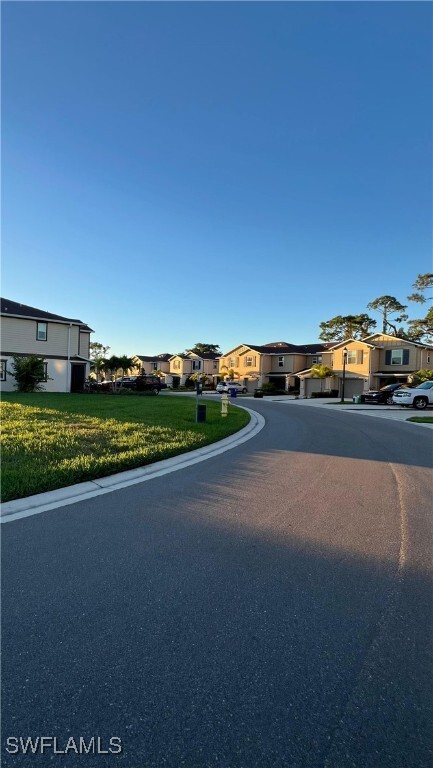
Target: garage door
<point>353,387</point>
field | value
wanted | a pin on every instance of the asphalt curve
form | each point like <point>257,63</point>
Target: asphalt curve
<point>270,607</point>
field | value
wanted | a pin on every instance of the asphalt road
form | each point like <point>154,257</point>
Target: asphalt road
<point>271,607</point>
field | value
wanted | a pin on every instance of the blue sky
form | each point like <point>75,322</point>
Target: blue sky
<point>211,171</point>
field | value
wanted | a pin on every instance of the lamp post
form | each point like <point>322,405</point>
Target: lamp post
<point>344,374</point>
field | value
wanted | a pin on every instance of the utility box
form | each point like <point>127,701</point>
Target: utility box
<point>201,413</point>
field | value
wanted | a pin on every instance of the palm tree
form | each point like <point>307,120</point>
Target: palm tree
<point>230,373</point>
<point>111,365</point>
<point>98,365</point>
<point>321,372</point>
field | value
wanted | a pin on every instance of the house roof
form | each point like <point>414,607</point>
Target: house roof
<point>282,347</point>
<point>397,338</point>
<point>14,309</point>
<point>154,358</point>
<point>349,341</point>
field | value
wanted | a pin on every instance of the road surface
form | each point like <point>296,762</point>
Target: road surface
<point>268,608</point>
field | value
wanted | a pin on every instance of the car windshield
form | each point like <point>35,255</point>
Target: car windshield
<point>426,385</point>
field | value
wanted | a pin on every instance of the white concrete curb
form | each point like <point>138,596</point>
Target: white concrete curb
<point>43,502</point>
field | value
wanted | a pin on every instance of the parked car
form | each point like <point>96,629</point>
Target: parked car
<point>418,397</point>
<point>145,383</point>
<point>382,395</point>
<point>224,386</point>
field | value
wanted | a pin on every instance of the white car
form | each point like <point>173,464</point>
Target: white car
<point>418,397</point>
<point>225,386</point>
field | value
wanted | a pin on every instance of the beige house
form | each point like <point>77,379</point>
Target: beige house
<point>62,342</point>
<point>370,363</point>
<point>278,363</point>
<point>150,363</point>
<point>184,365</point>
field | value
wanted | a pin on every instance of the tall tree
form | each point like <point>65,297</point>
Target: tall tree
<point>421,284</point>
<point>422,329</point>
<point>201,348</point>
<point>344,327</point>
<point>97,350</point>
<point>389,305</point>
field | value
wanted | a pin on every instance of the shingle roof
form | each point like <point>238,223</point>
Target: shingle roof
<point>279,347</point>
<point>14,309</point>
<point>153,358</point>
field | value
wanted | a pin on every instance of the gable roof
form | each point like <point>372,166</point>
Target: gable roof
<point>14,309</point>
<point>349,341</point>
<point>397,338</point>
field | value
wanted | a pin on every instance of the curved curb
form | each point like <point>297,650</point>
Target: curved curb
<point>43,502</point>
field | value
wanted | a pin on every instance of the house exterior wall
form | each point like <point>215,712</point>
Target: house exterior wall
<point>18,337</point>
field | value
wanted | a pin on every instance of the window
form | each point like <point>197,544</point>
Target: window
<point>2,370</point>
<point>41,331</point>
<point>317,360</point>
<point>154,366</point>
<point>215,365</point>
<point>280,362</point>
<point>196,365</point>
<point>232,362</point>
<point>176,364</point>
<point>397,357</point>
<point>45,376</point>
<point>250,361</point>
<point>354,356</point>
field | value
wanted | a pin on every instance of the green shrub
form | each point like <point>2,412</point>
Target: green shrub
<point>29,373</point>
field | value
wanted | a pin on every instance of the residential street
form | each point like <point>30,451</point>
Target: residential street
<point>268,608</point>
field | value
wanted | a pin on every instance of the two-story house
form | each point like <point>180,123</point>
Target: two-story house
<point>369,363</point>
<point>62,342</point>
<point>184,365</point>
<point>278,363</point>
<point>150,363</point>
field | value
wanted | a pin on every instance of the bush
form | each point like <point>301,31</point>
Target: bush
<point>29,373</point>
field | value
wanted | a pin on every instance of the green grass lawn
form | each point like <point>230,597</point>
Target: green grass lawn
<point>422,419</point>
<point>53,440</point>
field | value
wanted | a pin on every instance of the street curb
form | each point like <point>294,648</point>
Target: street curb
<point>43,502</point>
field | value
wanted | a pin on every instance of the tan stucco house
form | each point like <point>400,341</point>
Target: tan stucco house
<point>62,342</point>
<point>278,363</point>
<point>371,363</point>
<point>150,363</point>
<point>186,364</point>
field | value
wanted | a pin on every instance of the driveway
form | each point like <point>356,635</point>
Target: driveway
<point>269,608</point>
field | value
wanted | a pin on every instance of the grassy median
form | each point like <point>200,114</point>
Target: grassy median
<point>53,440</point>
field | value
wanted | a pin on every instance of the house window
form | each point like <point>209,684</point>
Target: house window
<point>397,357</point>
<point>354,356</point>
<point>45,376</point>
<point>232,362</point>
<point>196,365</point>
<point>317,360</point>
<point>41,331</point>
<point>215,365</point>
<point>176,364</point>
<point>250,361</point>
<point>2,370</point>
<point>154,366</point>
<point>280,362</point>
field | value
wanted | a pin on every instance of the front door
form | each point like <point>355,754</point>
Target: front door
<point>78,374</point>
